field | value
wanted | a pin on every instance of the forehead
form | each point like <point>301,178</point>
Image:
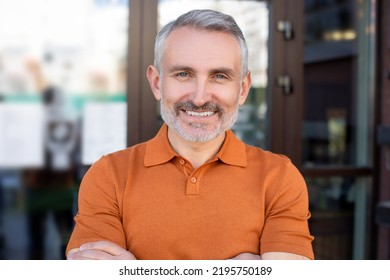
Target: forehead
<point>189,44</point>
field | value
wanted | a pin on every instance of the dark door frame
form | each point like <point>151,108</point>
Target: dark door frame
<point>141,110</point>
<point>285,109</point>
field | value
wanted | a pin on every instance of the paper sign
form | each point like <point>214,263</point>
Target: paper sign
<point>103,129</point>
<point>21,135</point>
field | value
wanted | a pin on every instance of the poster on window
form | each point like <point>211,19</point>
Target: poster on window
<point>103,129</point>
<point>21,135</point>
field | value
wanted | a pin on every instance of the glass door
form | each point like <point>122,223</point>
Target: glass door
<point>337,125</point>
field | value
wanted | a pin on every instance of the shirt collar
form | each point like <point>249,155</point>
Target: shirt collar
<point>233,151</point>
<point>159,151</point>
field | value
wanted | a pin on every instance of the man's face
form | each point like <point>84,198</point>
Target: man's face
<point>200,84</point>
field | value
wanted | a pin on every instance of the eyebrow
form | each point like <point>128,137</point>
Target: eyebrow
<point>226,70</point>
<point>175,68</point>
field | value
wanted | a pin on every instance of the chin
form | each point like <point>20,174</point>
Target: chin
<point>200,134</point>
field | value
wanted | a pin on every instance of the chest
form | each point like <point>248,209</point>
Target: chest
<point>203,214</point>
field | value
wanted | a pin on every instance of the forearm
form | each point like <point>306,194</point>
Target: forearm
<point>282,256</point>
<point>246,256</point>
<point>100,250</point>
<point>270,256</point>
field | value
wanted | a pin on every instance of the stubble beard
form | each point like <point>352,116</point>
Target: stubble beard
<point>198,131</point>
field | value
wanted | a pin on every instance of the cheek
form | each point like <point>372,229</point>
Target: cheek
<point>229,97</point>
<point>174,92</point>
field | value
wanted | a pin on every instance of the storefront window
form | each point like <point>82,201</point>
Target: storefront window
<point>339,218</point>
<point>338,121</point>
<point>62,106</point>
<point>339,55</point>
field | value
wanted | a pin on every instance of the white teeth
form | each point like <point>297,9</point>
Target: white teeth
<point>199,114</point>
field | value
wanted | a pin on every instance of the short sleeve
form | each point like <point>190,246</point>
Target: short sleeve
<point>98,217</point>
<point>286,216</point>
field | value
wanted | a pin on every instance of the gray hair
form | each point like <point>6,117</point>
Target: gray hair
<point>209,20</point>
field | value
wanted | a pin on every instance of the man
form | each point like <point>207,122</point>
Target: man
<point>194,191</point>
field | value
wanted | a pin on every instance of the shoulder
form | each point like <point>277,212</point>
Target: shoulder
<point>277,168</point>
<point>265,157</point>
<point>119,160</point>
<point>114,168</point>
<point>122,159</point>
<point>133,151</point>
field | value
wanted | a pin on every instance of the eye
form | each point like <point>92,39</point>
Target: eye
<point>220,76</point>
<point>182,74</point>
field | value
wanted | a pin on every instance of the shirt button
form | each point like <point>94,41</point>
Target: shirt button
<point>193,180</point>
<point>182,161</point>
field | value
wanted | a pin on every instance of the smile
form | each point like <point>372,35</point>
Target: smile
<point>199,114</point>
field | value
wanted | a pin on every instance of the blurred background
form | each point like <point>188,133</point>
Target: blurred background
<point>73,88</point>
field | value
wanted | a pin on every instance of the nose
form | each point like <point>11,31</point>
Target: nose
<point>201,93</point>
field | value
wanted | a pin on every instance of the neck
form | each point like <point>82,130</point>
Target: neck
<point>195,152</point>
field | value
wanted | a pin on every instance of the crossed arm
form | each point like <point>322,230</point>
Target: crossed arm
<point>106,250</point>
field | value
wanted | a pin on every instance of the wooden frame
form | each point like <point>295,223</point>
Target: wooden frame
<point>286,59</point>
<point>142,124</point>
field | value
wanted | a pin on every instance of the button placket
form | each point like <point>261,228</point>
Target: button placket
<point>187,169</point>
<point>193,187</point>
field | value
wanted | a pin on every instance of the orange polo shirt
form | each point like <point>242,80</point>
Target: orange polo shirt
<point>152,202</point>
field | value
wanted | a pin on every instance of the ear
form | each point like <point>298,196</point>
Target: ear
<point>245,86</point>
<point>154,81</point>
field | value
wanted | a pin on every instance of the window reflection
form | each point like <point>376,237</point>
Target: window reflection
<point>337,86</point>
<point>328,113</point>
<point>337,120</point>
<point>329,94</point>
<point>329,20</point>
<point>333,204</point>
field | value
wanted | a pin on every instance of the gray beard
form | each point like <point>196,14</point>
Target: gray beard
<point>227,120</point>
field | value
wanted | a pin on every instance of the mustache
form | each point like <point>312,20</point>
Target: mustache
<point>190,106</point>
